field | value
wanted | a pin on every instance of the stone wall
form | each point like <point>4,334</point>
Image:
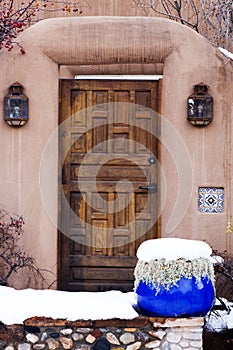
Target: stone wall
<point>140,333</point>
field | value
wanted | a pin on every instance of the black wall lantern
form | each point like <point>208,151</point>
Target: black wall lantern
<point>16,106</point>
<point>200,106</point>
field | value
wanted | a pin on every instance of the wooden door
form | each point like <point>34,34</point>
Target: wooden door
<point>113,153</point>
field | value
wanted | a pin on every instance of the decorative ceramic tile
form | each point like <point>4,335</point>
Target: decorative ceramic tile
<point>211,199</point>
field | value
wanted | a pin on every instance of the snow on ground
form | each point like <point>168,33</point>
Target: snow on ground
<point>220,320</point>
<point>172,249</point>
<point>18,305</point>
<point>227,53</point>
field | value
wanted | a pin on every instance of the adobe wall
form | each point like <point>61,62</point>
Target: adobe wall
<point>187,59</point>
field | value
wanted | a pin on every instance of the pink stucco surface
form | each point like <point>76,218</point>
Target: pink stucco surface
<point>186,58</point>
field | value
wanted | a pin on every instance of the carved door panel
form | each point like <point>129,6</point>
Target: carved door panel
<point>108,158</point>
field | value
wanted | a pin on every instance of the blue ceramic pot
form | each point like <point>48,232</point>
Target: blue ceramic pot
<point>188,298</point>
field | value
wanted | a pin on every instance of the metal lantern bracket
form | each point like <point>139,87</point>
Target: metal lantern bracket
<point>200,106</point>
<point>16,106</point>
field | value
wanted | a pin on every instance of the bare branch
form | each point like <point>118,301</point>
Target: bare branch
<point>211,18</point>
<point>13,258</point>
<point>14,19</point>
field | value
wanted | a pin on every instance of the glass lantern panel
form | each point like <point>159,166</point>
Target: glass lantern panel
<point>18,108</point>
<point>200,108</point>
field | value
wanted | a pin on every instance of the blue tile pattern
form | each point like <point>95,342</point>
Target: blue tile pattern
<point>211,199</point>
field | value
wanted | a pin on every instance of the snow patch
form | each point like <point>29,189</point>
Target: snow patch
<point>173,249</point>
<point>227,53</point>
<point>216,259</point>
<point>220,320</point>
<point>18,305</point>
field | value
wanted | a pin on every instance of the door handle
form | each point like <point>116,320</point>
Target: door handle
<point>151,188</point>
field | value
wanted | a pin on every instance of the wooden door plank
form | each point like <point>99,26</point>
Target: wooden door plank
<point>103,261</point>
<point>102,286</point>
<point>106,273</point>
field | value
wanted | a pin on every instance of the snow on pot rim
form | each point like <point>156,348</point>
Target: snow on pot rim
<point>174,278</point>
<point>173,249</point>
<point>165,261</point>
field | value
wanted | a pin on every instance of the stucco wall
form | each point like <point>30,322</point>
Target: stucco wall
<point>188,59</point>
